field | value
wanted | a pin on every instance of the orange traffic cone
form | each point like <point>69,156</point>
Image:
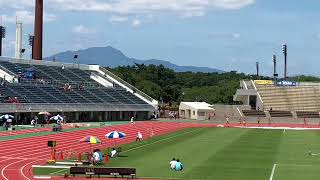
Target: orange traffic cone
<point>54,155</point>
<point>61,155</point>
<point>107,158</point>
<point>79,156</point>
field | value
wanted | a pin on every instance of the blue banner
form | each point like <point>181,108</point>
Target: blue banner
<point>286,83</point>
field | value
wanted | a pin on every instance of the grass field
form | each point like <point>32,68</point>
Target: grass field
<point>225,153</point>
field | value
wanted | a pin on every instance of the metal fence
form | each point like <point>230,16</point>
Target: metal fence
<point>70,107</point>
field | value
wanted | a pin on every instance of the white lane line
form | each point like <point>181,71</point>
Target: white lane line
<point>42,177</point>
<point>57,167</point>
<point>56,172</point>
<point>284,131</point>
<point>294,165</point>
<point>4,168</point>
<point>160,140</point>
<point>272,172</point>
<point>21,170</point>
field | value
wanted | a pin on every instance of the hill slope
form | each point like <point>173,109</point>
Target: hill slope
<point>111,57</point>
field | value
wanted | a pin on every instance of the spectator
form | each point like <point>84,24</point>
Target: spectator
<point>33,123</point>
<point>173,163</point>
<point>139,137</point>
<point>179,166</point>
<point>113,152</point>
<point>96,157</point>
<point>131,120</point>
<point>100,155</point>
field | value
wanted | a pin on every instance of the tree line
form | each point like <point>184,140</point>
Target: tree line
<point>168,86</point>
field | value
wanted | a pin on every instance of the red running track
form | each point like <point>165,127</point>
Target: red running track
<point>17,156</point>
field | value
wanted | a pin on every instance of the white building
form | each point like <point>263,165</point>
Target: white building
<point>196,110</point>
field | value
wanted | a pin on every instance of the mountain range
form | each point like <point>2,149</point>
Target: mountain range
<point>111,57</point>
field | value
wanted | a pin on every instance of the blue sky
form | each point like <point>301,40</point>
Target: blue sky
<point>224,34</point>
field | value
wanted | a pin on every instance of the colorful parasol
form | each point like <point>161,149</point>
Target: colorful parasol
<point>91,140</point>
<point>115,135</point>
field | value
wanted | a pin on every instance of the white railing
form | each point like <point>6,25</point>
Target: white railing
<point>132,88</point>
<point>72,107</point>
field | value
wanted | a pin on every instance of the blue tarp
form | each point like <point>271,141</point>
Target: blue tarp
<point>29,73</point>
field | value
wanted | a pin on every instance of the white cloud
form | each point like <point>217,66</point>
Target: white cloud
<point>16,4</point>
<point>185,8</point>
<point>26,17</point>
<point>115,19</point>
<point>224,35</point>
<point>235,35</point>
<point>136,22</point>
<point>81,29</point>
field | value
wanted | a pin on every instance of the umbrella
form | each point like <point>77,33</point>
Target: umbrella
<point>57,118</point>
<point>44,113</point>
<point>6,117</point>
<point>91,140</point>
<point>115,135</point>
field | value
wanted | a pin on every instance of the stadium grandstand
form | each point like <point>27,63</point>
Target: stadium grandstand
<point>281,99</point>
<point>78,91</point>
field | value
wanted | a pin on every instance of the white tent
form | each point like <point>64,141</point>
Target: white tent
<point>196,110</point>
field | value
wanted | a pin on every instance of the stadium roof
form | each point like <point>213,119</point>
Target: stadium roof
<point>198,105</point>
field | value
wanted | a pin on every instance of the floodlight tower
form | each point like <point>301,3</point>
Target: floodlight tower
<point>257,67</point>
<point>2,35</point>
<point>275,75</point>
<point>31,40</point>
<point>285,52</point>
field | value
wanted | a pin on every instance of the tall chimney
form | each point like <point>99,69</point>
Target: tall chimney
<point>38,30</point>
<point>18,39</point>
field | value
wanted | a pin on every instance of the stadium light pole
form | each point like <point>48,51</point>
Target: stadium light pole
<point>285,52</point>
<point>275,75</point>
<point>2,35</point>
<point>31,41</point>
<point>257,67</point>
<point>21,52</point>
<point>75,57</point>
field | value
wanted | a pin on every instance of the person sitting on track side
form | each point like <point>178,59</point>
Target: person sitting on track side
<point>96,157</point>
<point>114,152</point>
<point>173,164</point>
<point>179,166</point>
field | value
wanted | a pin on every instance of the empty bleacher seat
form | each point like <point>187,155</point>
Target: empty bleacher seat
<point>280,113</point>
<point>254,113</point>
<point>307,114</point>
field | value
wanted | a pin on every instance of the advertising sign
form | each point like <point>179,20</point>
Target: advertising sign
<point>263,82</point>
<point>286,83</point>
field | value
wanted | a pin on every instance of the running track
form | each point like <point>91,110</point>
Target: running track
<point>17,156</point>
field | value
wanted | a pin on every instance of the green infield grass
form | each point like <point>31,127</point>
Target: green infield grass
<point>224,153</point>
